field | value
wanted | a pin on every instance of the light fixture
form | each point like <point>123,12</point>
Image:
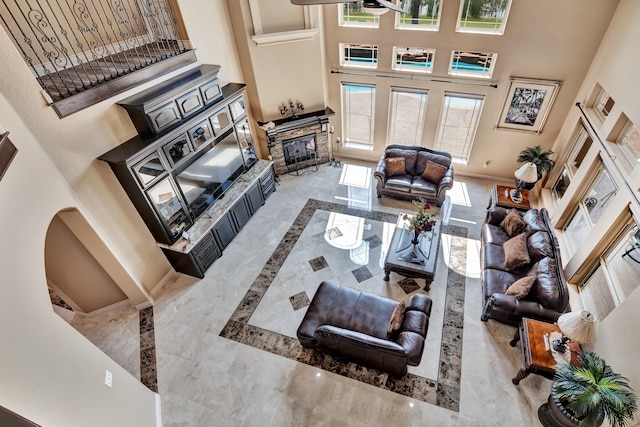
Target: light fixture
<point>579,326</point>
<point>375,10</point>
<point>525,174</point>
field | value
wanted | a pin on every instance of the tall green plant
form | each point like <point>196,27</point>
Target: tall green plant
<point>539,157</point>
<point>593,388</point>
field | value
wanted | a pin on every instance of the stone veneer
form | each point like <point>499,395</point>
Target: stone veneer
<point>277,153</point>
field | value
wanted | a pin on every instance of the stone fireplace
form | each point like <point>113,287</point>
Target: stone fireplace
<point>299,142</point>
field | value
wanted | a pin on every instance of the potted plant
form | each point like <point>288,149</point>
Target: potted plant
<point>585,394</point>
<point>539,157</point>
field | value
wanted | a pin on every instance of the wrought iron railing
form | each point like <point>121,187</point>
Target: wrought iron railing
<point>75,45</point>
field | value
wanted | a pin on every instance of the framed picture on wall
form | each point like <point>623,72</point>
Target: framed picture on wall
<point>527,104</point>
<point>7,153</point>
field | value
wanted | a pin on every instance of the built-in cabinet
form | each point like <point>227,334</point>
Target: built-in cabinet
<point>181,123</point>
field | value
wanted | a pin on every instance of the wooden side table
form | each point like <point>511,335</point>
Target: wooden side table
<point>500,196</point>
<point>538,359</point>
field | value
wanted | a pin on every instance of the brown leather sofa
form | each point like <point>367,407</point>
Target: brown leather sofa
<point>354,324</point>
<point>548,297</point>
<point>412,184</point>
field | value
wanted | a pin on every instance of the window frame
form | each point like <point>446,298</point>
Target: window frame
<point>486,56</point>
<point>374,23</point>
<point>348,141</point>
<point>348,62</point>
<point>419,122</point>
<point>601,103</point>
<point>427,69</point>
<point>570,166</point>
<point>628,128</point>
<point>460,28</point>
<point>399,25</point>
<point>470,133</point>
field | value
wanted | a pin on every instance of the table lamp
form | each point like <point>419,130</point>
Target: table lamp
<point>579,326</point>
<point>525,174</point>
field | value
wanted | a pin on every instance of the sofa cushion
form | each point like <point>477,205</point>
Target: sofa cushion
<point>395,323</point>
<point>422,187</point>
<point>539,246</point>
<point>546,289</point>
<point>493,234</point>
<point>425,156</point>
<point>434,172</point>
<point>516,254</point>
<point>521,287</point>
<point>395,166</point>
<point>534,221</point>
<point>497,281</point>
<point>512,224</point>
<point>410,157</point>
<point>493,256</point>
<point>399,182</point>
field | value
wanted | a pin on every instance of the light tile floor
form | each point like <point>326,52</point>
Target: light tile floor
<point>207,380</point>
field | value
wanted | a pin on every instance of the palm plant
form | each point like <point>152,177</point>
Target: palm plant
<point>593,391</point>
<point>539,157</point>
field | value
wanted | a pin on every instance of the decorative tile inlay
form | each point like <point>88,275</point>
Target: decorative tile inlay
<point>362,273</point>
<point>408,285</point>
<point>148,370</point>
<point>299,301</point>
<point>318,263</point>
<point>444,392</point>
<point>57,300</point>
<point>374,241</point>
<point>333,233</point>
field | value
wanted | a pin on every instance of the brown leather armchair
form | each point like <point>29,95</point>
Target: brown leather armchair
<point>354,324</point>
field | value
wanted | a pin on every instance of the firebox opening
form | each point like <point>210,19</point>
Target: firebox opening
<point>300,149</point>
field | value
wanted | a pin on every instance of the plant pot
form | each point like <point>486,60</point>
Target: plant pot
<point>555,414</point>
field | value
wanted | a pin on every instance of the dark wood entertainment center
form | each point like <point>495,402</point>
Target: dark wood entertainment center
<point>189,122</point>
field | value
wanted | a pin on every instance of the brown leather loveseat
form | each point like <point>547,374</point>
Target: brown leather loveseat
<point>355,324</point>
<point>529,252</point>
<point>412,172</point>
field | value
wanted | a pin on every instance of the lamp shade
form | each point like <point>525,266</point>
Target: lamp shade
<point>579,326</point>
<point>527,173</point>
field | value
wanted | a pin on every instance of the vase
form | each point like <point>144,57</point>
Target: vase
<point>416,234</point>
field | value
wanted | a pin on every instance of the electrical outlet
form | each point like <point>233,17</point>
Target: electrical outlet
<point>108,378</point>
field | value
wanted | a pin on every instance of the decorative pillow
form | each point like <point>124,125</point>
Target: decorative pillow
<point>512,224</point>
<point>434,172</point>
<point>521,287</point>
<point>396,320</point>
<point>516,253</point>
<point>395,166</point>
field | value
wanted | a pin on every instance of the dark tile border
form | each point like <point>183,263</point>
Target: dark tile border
<point>148,368</point>
<point>444,392</point>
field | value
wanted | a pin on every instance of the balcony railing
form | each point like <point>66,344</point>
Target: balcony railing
<point>72,46</point>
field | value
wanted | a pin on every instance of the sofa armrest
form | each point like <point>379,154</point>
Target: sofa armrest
<point>446,183</point>
<point>381,171</point>
<point>521,308</point>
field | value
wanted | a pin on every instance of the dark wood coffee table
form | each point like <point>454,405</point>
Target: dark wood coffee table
<point>536,353</point>
<point>398,255</point>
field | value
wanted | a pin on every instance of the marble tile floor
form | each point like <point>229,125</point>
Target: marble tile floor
<point>208,380</point>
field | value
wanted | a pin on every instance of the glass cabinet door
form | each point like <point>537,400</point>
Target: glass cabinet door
<point>238,109</point>
<point>245,140</point>
<point>178,149</point>
<point>149,169</point>
<point>220,121</point>
<point>165,200</point>
<point>201,134</point>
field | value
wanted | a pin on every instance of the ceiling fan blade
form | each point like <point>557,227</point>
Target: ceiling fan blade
<point>391,6</point>
<point>314,2</point>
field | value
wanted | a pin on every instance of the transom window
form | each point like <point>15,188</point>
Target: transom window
<point>629,141</point>
<point>353,15</point>
<point>458,124</point>
<point>581,146</point>
<point>413,59</point>
<point>483,16</point>
<point>406,118</point>
<point>604,104</point>
<point>423,15</point>
<point>358,112</point>
<point>472,64</point>
<point>359,55</point>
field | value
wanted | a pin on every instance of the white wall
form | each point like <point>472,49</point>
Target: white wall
<point>50,373</point>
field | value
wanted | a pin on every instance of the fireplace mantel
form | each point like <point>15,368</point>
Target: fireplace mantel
<point>295,122</point>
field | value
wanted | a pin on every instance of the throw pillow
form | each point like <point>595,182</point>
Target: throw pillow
<point>521,287</point>
<point>395,166</point>
<point>516,253</point>
<point>396,320</point>
<point>434,172</point>
<point>512,224</point>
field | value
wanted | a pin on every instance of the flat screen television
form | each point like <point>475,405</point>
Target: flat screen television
<point>206,179</point>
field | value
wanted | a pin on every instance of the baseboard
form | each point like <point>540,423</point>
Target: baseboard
<point>103,310</point>
<point>162,282</point>
<point>158,410</point>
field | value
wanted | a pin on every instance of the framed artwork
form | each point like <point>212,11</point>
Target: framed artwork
<point>527,104</point>
<point>7,153</point>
